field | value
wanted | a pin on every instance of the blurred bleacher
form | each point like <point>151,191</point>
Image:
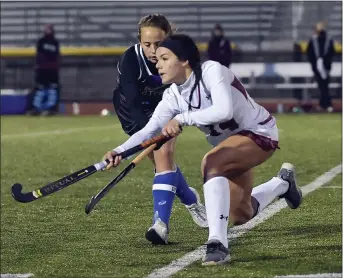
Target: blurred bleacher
<point>253,25</point>
<point>257,28</point>
<point>115,23</point>
<point>330,11</point>
<point>296,21</point>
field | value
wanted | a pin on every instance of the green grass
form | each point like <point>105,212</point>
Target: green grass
<point>53,237</point>
<point>307,241</point>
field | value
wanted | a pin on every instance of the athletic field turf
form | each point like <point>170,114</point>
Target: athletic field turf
<point>53,237</point>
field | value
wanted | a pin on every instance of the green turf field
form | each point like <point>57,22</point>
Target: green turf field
<point>53,237</point>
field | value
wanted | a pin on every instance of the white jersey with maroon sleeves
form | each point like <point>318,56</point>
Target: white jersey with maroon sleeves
<point>220,105</point>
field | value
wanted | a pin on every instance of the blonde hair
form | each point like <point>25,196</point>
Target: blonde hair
<point>157,21</point>
<point>320,26</point>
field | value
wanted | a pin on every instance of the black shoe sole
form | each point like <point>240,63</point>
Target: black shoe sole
<point>290,204</point>
<point>154,238</point>
<point>221,262</point>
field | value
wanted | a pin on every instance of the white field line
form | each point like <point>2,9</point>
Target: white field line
<point>19,275</point>
<point>237,231</point>
<point>54,132</point>
<point>321,275</point>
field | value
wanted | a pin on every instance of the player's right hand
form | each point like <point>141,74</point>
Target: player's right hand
<point>113,158</point>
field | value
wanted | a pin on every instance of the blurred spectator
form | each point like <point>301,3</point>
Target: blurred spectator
<point>45,97</point>
<point>320,52</point>
<point>219,47</point>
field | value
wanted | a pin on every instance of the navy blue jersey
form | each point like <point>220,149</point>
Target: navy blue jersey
<point>139,89</point>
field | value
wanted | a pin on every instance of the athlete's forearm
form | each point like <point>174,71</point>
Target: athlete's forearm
<point>220,111</point>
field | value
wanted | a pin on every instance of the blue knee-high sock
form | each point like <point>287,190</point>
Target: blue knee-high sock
<point>163,191</point>
<point>52,98</point>
<point>38,99</point>
<point>186,195</point>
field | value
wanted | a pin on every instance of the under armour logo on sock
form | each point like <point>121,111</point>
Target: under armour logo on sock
<point>224,217</point>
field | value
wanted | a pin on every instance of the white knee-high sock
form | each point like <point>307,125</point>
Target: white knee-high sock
<point>265,193</point>
<point>217,202</point>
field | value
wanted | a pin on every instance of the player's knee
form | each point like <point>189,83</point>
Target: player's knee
<point>164,158</point>
<point>211,166</point>
<point>166,151</point>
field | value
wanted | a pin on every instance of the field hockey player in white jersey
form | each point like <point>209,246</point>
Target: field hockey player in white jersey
<point>243,135</point>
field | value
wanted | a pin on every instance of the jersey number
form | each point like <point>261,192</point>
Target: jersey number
<point>232,125</point>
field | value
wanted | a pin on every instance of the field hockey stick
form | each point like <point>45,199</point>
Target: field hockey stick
<point>76,176</point>
<point>95,199</point>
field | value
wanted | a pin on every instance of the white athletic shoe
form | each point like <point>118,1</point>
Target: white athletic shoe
<point>158,233</point>
<point>198,211</point>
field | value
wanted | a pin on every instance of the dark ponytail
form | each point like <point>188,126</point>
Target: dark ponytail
<point>198,75</point>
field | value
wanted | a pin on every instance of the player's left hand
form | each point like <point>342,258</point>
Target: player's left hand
<point>172,128</point>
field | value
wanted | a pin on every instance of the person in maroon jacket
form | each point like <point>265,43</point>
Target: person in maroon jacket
<point>46,93</point>
<point>219,47</point>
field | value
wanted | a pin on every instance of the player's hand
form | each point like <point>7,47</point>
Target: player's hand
<point>172,128</point>
<point>114,160</point>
